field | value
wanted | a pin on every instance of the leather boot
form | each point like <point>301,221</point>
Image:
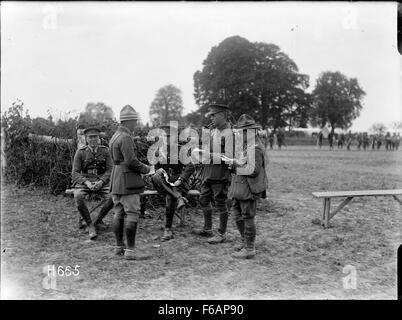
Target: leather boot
<point>207,230</point>
<point>103,212</point>
<point>118,230</point>
<point>240,227</point>
<point>167,235</point>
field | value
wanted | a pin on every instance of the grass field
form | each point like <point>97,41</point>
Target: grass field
<point>296,259</point>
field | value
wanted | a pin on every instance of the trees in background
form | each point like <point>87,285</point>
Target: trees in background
<point>254,78</point>
<point>95,114</point>
<point>337,100</point>
<point>378,128</point>
<point>166,106</point>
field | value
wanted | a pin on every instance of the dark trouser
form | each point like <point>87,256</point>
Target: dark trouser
<point>388,144</point>
<point>244,213</point>
<point>172,194</point>
<point>81,191</point>
<point>216,191</point>
<point>126,207</point>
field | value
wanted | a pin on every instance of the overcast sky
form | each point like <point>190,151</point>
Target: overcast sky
<point>64,55</point>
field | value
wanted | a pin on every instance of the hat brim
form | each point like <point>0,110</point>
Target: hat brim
<point>211,113</point>
<point>251,126</point>
<point>92,132</point>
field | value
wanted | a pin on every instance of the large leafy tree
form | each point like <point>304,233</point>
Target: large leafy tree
<point>254,78</point>
<point>167,105</point>
<point>337,100</point>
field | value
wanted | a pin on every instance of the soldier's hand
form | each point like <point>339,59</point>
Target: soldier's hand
<point>160,171</point>
<point>177,182</point>
<point>98,185</point>
<point>89,184</point>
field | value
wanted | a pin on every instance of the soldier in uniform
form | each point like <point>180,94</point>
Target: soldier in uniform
<point>380,138</point>
<point>366,141</point>
<point>394,141</point>
<point>331,138</point>
<point>215,181</point>
<point>126,184</point>
<point>281,137</point>
<point>176,173</point>
<point>398,141</point>
<point>373,141</point>
<point>359,140</point>
<point>341,140</point>
<point>388,141</point>
<point>349,139</point>
<point>91,174</point>
<point>271,138</point>
<point>246,188</point>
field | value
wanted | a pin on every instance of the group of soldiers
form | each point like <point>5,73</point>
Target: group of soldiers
<point>118,174</point>
<point>363,141</point>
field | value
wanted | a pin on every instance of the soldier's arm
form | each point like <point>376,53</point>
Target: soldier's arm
<point>106,176</point>
<point>77,176</point>
<point>258,165</point>
<point>130,157</point>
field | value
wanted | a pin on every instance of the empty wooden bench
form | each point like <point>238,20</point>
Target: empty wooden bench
<point>146,193</point>
<point>349,195</point>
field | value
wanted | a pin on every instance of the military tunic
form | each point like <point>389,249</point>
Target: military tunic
<point>126,182</point>
<point>92,165</point>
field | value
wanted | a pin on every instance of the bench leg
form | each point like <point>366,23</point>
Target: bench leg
<point>181,215</point>
<point>327,206</point>
<point>397,199</point>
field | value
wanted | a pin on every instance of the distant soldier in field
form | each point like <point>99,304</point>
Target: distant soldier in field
<point>373,138</point>
<point>341,141</point>
<point>215,180</point>
<point>394,141</point>
<point>359,140</point>
<point>331,138</point>
<point>92,167</point>
<point>349,139</point>
<point>126,185</point>
<point>281,138</point>
<point>271,138</point>
<point>366,141</point>
<point>176,173</point>
<point>380,138</point>
<point>247,188</point>
<point>320,137</point>
<point>398,141</point>
<point>388,141</point>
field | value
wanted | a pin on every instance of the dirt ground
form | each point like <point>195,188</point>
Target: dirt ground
<point>296,259</point>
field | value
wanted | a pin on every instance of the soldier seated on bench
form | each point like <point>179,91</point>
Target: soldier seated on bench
<point>177,174</point>
<point>91,174</point>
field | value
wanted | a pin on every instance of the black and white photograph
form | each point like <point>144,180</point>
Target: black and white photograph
<point>200,151</point>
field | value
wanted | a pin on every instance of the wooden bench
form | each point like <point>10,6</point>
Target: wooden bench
<point>327,196</point>
<point>146,193</point>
